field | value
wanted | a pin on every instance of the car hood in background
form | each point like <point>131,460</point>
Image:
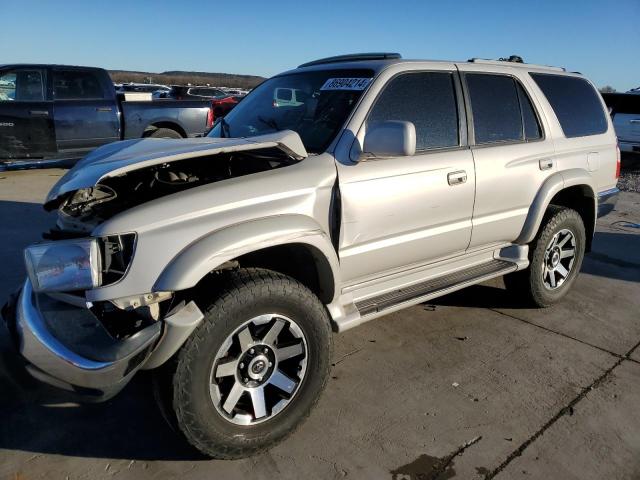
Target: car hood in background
<point>121,157</point>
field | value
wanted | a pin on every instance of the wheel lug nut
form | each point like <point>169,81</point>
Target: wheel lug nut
<point>245,380</point>
<point>265,351</point>
<point>252,351</point>
<point>242,365</point>
<point>271,364</point>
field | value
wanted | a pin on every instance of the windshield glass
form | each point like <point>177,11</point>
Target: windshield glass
<point>313,104</point>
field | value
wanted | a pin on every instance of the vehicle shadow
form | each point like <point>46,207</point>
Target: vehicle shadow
<point>128,427</point>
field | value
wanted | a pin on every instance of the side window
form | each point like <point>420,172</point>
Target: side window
<point>575,103</point>
<point>532,129</point>
<point>428,100</point>
<point>76,85</point>
<point>495,107</point>
<point>21,86</point>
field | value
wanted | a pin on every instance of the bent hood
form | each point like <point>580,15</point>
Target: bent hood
<point>121,157</point>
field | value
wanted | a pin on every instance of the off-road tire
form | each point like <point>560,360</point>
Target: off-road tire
<point>164,133</point>
<point>527,285</point>
<point>245,294</point>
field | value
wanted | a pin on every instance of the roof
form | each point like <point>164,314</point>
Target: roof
<point>46,65</point>
<point>379,61</point>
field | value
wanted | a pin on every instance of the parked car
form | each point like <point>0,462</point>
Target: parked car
<point>153,88</point>
<point>625,112</point>
<point>182,92</point>
<point>54,113</point>
<point>223,263</point>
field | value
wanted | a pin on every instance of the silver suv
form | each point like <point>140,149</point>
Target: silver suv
<point>223,263</point>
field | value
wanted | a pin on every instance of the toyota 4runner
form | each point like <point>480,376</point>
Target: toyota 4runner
<point>223,263</point>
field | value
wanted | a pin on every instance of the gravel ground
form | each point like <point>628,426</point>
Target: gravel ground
<point>629,181</point>
<point>630,175</point>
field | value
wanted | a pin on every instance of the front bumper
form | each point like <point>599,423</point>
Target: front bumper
<point>607,201</point>
<point>67,346</point>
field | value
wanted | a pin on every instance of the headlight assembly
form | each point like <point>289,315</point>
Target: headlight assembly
<point>64,266</point>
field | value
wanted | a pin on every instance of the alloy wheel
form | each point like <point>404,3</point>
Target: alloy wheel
<point>258,369</point>
<point>559,258</point>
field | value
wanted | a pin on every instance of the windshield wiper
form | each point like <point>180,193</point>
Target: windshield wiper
<point>269,122</point>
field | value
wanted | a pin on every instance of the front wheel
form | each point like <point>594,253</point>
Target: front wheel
<point>254,368</point>
<point>555,257</point>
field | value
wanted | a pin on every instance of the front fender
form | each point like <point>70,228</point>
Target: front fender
<point>551,186</point>
<point>208,252</point>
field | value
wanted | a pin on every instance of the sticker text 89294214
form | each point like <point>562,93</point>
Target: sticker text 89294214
<point>346,84</point>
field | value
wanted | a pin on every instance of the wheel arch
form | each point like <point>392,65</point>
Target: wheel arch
<point>573,188</point>
<point>288,244</point>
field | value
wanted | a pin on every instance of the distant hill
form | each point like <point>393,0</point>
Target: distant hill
<point>177,77</point>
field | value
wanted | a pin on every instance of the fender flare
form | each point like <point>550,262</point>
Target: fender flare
<point>202,256</point>
<point>551,186</point>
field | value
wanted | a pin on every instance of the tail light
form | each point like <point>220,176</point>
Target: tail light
<point>210,117</point>
<point>618,162</point>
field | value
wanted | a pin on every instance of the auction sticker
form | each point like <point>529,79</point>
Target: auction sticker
<point>346,84</point>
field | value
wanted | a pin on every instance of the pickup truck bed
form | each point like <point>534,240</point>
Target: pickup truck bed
<point>54,115</point>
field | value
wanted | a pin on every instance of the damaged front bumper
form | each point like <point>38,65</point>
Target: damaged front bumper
<point>68,347</point>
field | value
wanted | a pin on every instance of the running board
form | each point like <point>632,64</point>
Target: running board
<point>435,286</point>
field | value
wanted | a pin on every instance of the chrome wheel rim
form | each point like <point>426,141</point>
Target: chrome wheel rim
<point>559,257</point>
<point>258,369</point>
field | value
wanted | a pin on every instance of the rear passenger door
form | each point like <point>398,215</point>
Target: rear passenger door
<point>26,116</point>
<point>401,212</point>
<point>86,114</point>
<point>512,154</point>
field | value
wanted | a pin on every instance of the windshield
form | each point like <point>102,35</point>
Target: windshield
<point>313,104</point>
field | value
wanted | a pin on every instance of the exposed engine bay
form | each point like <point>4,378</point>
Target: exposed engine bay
<point>80,211</point>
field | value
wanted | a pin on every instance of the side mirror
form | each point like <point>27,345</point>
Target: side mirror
<point>390,138</point>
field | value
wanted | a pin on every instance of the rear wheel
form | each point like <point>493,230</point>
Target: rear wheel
<point>254,368</point>
<point>164,133</point>
<point>555,256</point>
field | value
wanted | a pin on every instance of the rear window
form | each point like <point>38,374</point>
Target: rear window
<point>428,100</point>
<point>575,103</point>
<point>495,107</point>
<point>76,85</point>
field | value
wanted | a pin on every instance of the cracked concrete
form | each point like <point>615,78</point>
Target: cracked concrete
<point>408,395</point>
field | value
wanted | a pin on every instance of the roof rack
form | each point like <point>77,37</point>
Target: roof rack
<point>354,57</point>
<point>514,61</point>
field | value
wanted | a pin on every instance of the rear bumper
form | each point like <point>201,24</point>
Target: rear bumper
<point>68,347</point>
<point>607,201</point>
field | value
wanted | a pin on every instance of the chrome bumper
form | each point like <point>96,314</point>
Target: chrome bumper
<point>607,201</point>
<point>80,355</point>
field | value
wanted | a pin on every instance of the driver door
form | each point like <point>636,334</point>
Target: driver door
<point>26,116</point>
<point>403,212</point>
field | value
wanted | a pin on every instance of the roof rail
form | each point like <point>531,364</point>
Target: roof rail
<point>517,62</point>
<point>354,57</point>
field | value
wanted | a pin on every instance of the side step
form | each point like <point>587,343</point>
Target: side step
<point>435,286</point>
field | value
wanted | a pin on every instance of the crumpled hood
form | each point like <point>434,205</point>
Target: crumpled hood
<point>119,158</point>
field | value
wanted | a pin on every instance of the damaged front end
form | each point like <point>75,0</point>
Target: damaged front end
<point>95,347</point>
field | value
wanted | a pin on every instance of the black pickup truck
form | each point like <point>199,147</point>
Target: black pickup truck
<point>55,114</point>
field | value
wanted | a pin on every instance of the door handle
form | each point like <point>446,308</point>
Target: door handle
<point>104,109</point>
<point>456,178</point>
<point>635,120</point>
<point>39,113</point>
<point>546,163</point>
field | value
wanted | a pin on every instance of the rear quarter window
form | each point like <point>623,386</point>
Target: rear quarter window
<point>575,102</point>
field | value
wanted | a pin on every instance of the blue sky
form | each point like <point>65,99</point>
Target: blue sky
<point>600,39</point>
